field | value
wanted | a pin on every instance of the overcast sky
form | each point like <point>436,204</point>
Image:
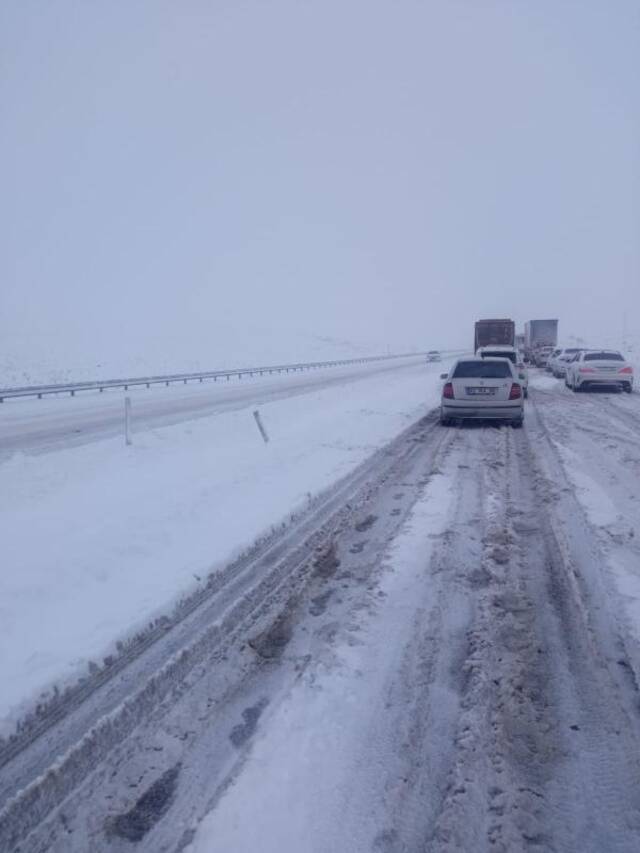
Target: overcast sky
<point>385,171</point>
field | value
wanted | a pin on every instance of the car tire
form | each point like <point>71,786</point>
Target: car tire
<point>627,388</point>
<point>525,393</point>
<point>518,424</point>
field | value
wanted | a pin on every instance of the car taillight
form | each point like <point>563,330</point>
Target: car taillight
<point>626,370</point>
<point>516,392</point>
<point>587,370</point>
<point>447,391</point>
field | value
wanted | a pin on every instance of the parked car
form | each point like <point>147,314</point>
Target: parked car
<point>515,357</point>
<point>557,363</point>
<point>479,388</point>
<point>434,355</point>
<point>593,368</point>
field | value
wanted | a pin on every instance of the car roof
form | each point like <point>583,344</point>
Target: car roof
<point>479,358</point>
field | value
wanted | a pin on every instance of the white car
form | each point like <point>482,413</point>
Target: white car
<point>479,388</point>
<point>552,357</point>
<point>557,363</point>
<point>514,356</point>
<point>592,368</point>
<point>541,356</point>
<point>434,355</point>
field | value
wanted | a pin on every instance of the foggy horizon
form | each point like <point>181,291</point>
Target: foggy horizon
<point>376,174</point>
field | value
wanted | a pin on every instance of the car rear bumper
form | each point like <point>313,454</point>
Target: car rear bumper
<point>465,410</point>
<point>605,379</point>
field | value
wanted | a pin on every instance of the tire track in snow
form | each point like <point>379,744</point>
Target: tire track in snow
<point>546,747</point>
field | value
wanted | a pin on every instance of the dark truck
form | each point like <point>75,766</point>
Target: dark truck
<point>539,335</point>
<point>490,333</point>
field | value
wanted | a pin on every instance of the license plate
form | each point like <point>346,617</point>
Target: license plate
<point>480,392</point>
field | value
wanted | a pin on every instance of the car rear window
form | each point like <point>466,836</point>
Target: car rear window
<point>510,355</point>
<point>481,370</point>
<point>603,356</point>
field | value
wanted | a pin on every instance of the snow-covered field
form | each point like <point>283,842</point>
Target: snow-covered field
<point>45,359</point>
<point>98,539</point>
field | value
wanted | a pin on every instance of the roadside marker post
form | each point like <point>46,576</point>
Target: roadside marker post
<point>127,420</point>
<point>263,431</point>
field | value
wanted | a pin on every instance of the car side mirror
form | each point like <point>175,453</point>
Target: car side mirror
<point>444,375</point>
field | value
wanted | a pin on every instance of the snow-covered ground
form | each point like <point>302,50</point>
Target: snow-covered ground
<point>48,359</point>
<point>595,442</point>
<point>531,762</point>
<point>56,421</point>
<point>98,539</point>
<point>443,655</point>
<point>318,736</point>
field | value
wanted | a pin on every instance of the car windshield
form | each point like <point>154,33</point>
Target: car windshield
<point>572,350</point>
<point>603,356</point>
<point>481,370</point>
<point>499,354</point>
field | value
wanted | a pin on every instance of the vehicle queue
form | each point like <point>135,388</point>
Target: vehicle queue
<point>493,383</point>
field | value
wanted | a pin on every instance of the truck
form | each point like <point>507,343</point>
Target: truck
<point>539,334</point>
<point>494,333</point>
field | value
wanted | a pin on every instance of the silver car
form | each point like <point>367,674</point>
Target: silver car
<point>593,368</point>
<point>479,388</point>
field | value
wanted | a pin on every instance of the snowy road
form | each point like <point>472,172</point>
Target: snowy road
<point>441,655</point>
<point>33,425</point>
